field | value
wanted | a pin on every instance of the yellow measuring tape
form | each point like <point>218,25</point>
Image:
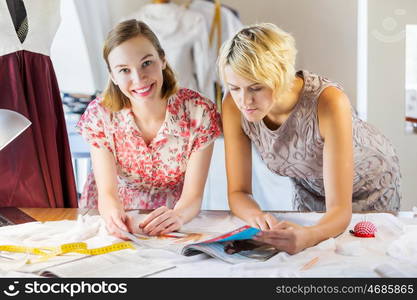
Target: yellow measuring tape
<point>46,253</point>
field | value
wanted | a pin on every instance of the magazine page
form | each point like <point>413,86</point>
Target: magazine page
<point>242,233</point>
<point>174,241</point>
<point>216,247</point>
<point>189,242</point>
<point>217,250</point>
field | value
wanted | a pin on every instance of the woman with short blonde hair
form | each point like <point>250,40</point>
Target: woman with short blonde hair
<point>263,54</point>
<point>303,127</point>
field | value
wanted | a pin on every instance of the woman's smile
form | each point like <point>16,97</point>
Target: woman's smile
<point>144,91</point>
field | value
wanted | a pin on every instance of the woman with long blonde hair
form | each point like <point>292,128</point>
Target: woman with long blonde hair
<point>151,142</point>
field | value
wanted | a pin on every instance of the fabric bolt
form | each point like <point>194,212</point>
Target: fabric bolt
<point>184,37</point>
<point>150,176</point>
<point>295,150</point>
<point>36,167</point>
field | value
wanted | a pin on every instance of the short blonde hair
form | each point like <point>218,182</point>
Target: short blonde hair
<point>262,53</point>
<point>114,99</point>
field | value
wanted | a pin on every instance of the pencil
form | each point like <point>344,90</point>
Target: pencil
<point>169,236</point>
<point>310,264</point>
<point>173,235</point>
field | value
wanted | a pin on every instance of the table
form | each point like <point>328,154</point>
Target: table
<point>22,215</point>
<point>330,259</point>
<point>13,215</point>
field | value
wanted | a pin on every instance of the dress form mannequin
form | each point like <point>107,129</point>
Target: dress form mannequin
<point>37,165</point>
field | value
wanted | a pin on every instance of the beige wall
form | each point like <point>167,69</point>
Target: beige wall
<point>120,8</point>
<point>386,83</point>
<point>325,33</point>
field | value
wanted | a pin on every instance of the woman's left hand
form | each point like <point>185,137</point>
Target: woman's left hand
<point>161,221</point>
<point>286,236</point>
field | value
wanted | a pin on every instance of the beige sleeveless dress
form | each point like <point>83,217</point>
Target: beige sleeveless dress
<point>295,150</point>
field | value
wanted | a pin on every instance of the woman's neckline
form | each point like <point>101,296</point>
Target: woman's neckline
<point>301,74</point>
<point>161,128</point>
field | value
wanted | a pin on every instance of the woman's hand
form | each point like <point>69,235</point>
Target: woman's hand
<point>115,217</point>
<point>286,236</point>
<point>263,221</point>
<point>161,221</point>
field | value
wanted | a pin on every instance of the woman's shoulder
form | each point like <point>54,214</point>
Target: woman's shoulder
<point>96,112</point>
<point>315,84</point>
<point>193,100</point>
<point>96,107</point>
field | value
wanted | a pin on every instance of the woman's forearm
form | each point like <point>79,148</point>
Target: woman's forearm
<point>243,205</point>
<point>107,196</point>
<point>105,175</point>
<point>188,208</point>
<point>333,223</point>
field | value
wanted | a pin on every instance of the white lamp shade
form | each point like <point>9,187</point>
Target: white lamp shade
<point>12,124</point>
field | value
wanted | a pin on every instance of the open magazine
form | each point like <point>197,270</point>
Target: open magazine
<point>214,245</point>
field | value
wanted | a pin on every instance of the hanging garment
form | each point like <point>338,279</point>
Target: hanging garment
<point>183,36</point>
<point>36,168</point>
<point>230,25</point>
<point>231,9</point>
<point>94,17</point>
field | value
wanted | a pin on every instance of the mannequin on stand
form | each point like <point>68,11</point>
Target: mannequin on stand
<point>36,169</point>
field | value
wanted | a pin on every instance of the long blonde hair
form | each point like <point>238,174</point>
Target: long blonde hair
<point>114,99</point>
<point>262,53</point>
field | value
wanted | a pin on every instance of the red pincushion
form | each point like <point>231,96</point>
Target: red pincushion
<point>364,229</point>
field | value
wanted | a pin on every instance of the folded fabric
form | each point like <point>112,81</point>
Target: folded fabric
<point>389,271</point>
<point>405,247</point>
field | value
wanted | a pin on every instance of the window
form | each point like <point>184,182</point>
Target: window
<point>411,79</point>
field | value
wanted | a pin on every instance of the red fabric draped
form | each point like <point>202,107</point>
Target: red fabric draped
<point>36,168</point>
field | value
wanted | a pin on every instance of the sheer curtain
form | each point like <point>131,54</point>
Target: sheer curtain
<point>95,23</point>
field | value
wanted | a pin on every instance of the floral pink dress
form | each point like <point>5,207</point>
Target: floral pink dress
<point>150,176</point>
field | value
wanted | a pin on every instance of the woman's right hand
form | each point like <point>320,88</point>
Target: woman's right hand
<point>262,220</point>
<point>115,217</point>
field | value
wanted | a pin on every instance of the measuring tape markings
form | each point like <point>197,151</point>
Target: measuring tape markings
<point>80,248</point>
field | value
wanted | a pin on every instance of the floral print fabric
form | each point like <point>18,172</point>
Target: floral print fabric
<point>150,176</point>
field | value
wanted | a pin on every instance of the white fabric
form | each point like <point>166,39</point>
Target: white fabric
<point>230,25</point>
<point>94,16</point>
<point>404,250</point>
<point>183,36</point>
<point>405,247</point>
<point>369,261</point>
<point>389,271</point>
<point>43,21</point>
